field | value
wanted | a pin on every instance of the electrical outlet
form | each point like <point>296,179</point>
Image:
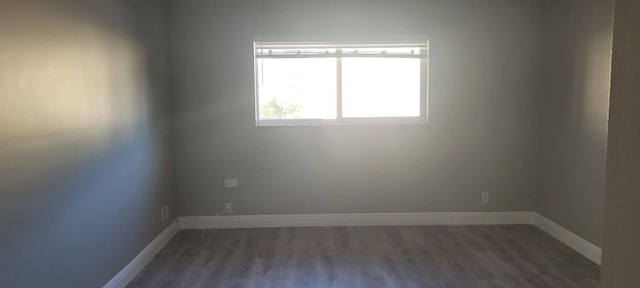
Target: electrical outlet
<point>227,208</point>
<point>164,212</point>
<point>485,198</point>
<point>231,183</point>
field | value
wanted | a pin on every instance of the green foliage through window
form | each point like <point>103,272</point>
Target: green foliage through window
<point>280,110</point>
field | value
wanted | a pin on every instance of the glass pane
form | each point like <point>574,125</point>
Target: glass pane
<point>380,87</point>
<point>299,88</point>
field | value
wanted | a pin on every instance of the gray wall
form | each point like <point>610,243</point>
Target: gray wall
<point>479,137</point>
<point>83,138</point>
<point>573,111</point>
<point>622,229</point>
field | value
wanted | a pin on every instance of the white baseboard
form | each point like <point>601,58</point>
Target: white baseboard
<point>565,236</point>
<point>372,219</point>
<point>584,247</point>
<point>137,264</point>
<point>572,240</point>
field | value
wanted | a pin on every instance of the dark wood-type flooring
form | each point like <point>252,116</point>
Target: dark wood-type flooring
<point>386,256</point>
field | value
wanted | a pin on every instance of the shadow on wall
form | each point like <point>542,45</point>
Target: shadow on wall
<point>573,112</point>
<point>82,138</point>
<point>71,204</point>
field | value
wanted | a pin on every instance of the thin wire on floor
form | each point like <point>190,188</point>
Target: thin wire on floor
<point>203,234</point>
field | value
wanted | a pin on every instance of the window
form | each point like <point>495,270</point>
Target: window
<point>309,83</point>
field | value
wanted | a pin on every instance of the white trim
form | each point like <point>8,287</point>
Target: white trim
<point>372,39</point>
<point>340,119</point>
<point>371,219</point>
<point>135,266</point>
<point>584,247</point>
<point>565,236</point>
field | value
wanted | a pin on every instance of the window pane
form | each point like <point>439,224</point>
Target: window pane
<point>300,88</point>
<point>380,87</point>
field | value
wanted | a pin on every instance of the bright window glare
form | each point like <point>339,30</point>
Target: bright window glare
<point>318,83</point>
<point>299,88</point>
<point>380,87</point>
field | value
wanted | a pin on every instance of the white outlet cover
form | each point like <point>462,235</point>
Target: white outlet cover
<point>227,208</point>
<point>230,183</point>
<point>485,198</point>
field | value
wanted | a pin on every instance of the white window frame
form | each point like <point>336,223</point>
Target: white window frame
<point>424,85</point>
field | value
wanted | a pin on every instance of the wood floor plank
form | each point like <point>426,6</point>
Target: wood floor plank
<point>386,256</point>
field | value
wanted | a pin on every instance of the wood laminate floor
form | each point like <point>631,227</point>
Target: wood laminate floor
<point>386,256</point>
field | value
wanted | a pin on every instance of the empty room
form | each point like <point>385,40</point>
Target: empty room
<point>319,143</point>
